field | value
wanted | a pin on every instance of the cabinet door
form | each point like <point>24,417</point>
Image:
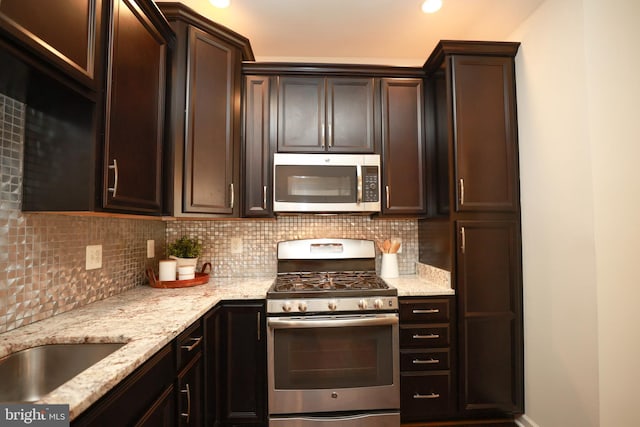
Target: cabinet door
<point>490,316</point>
<point>135,112</point>
<point>258,189</point>
<point>241,364</point>
<point>213,112</point>
<point>485,137</point>
<point>350,116</point>
<point>403,146</point>
<point>191,394</point>
<point>66,32</point>
<point>301,114</point>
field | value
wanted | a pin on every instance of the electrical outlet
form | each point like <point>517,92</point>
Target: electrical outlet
<point>93,257</point>
<point>236,245</point>
<point>151,248</point>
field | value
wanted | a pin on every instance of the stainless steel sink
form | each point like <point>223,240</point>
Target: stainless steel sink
<point>29,374</point>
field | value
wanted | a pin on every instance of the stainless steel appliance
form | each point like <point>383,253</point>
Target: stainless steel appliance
<point>322,183</point>
<point>332,325</point>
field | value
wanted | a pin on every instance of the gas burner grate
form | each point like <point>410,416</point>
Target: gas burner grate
<point>328,281</point>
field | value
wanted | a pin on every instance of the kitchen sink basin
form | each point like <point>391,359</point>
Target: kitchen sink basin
<point>29,374</point>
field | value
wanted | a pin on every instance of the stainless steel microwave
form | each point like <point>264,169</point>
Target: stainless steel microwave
<point>325,183</point>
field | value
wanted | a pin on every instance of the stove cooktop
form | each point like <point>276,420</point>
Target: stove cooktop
<point>329,284</point>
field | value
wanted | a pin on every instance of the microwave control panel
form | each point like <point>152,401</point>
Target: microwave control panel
<point>371,185</point>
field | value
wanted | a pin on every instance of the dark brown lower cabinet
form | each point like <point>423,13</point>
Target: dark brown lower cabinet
<point>190,377</point>
<point>145,398</point>
<point>490,317</point>
<point>427,380</point>
<point>236,364</point>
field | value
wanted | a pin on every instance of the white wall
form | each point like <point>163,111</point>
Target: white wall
<point>613,79</point>
<point>578,94</point>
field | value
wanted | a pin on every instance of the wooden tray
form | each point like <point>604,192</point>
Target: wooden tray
<point>200,279</point>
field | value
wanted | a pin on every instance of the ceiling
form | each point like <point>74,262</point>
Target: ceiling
<point>384,32</point>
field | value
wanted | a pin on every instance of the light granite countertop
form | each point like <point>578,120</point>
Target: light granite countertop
<point>146,319</point>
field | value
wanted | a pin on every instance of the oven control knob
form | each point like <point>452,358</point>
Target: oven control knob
<point>333,305</point>
<point>378,303</point>
<point>286,307</point>
<point>362,304</point>
<point>302,307</point>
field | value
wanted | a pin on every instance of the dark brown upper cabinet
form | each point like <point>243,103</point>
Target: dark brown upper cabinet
<point>258,147</point>
<point>474,110</point>
<point>135,108</point>
<point>66,34</point>
<point>319,114</point>
<point>403,145</point>
<point>485,134</point>
<point>203,155</point>
<point>100,151</point>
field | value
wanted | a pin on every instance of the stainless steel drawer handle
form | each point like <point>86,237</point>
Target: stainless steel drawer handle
<point>187,415</point>
<point>194,343</point>
<point>425,362</point>
<point>427,311</point>
<point>426,396</point>
<point>426,337</point>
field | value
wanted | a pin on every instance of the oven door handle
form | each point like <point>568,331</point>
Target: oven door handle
<point>310,322</point>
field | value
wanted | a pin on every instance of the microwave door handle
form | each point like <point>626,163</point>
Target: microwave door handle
<point>359,179</point>
<point>298,323</point>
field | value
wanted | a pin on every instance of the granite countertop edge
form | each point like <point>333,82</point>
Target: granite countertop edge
<point>146,319</point>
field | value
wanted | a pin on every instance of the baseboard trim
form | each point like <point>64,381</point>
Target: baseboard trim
<point>462,423</point>
<point>525,421</point>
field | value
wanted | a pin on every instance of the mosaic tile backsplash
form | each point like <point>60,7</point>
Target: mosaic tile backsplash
<point>247,248</point>
<point>42,256</point>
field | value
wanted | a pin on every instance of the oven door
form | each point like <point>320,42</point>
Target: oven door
<point>333,363</point>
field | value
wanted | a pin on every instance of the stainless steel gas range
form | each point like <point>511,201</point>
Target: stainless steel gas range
<point>332,325</point>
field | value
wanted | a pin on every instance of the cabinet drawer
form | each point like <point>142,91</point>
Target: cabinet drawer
<point>425,310</point>
<point>424,396</point>
<point>189,344</point>
<point>425,336</point>
<point>424,360</point>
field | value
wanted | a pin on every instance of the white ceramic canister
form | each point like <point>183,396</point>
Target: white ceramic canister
<point>389,267</point>
<point>167,270</point>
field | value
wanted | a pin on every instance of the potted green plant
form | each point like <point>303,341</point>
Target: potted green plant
<point>185,251</point>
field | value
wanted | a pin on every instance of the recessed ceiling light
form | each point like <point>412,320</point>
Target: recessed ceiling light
<point>222,3</point>
<point>431,6</point>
